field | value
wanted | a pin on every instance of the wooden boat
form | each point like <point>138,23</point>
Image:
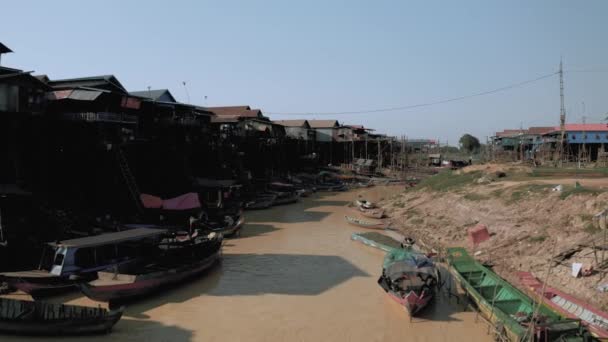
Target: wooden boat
<point>569,306</point>
<point>285,197</point>
<point>377,213</point>
<point>409,277</point>
<point>366,224</point>
<point>165,271</point>
<point>45,319</point>
<point>507,308</point>
<point>261,202</point>
<point>74,261</point>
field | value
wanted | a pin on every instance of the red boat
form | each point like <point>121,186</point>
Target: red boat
<point>595,319</point>
<point>166,271</point>
<point>409,278</point>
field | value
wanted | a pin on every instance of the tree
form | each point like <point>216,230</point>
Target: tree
<point>469,143</point>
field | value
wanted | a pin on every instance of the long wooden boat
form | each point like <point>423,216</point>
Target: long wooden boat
<point>45,319</point>
<point>377,213</point>
<point>507,308</point>
<point>366,224</point>
<point>409,277</point>
<point>116,287</point>
<point>261,202</point>
<point>74,261</point>
<point>567,305</point>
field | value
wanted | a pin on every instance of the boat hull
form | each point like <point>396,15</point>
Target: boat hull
<point>413,302</point>
<point>140,288</point>
<point>41,319</point>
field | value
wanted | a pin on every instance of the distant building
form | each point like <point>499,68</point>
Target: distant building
<point>162,95</point>
<point>297,129</point>
<point>326,130</point>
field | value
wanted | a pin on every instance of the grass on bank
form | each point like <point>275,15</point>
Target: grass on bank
<point>571,190</point>
<point>449,180</point>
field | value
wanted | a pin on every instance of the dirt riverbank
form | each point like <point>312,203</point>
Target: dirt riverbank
<point>529,221</point>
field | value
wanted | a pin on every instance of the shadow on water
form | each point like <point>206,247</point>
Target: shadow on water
<point>254,274</point>
<point>255,229</point>
<point>124,330</point>
<point>446,304</point>
<point>298,212</point>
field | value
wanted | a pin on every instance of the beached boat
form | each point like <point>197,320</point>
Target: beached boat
<point>66,263</point>
<point>377,213</point>
<point>409,277</point>
<point>163,272</point>
<point>365,204</point>
<point>567,305</point>
<point>45,319</point>
<point>366,224</point>
<point>507,308</point>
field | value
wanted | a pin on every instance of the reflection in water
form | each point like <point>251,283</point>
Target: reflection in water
<point>295,275</point>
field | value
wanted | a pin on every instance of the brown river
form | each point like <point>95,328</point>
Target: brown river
<point>293,275</point>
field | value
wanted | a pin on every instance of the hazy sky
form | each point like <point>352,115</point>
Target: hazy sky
<point>327,56</point>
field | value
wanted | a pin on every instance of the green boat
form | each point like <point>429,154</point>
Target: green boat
<point>507,308</point>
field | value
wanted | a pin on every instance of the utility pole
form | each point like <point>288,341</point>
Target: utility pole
<point>562,115</point>
<point>379,154</point>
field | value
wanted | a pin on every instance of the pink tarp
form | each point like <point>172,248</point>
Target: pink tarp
<point>151,202</point>
<point>183,202</point>
<point>478,234</point>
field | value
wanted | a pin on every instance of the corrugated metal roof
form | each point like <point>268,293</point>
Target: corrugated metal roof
<point>107,82</point>
<point>110,238</point>
<point>323,123</point>
<point>155,94</point>
<point>4,48</point>
<point>292,123</point>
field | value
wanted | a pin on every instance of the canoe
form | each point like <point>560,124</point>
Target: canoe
<point>507,308</point>
<point>409,277</point>
<point>46,319</point>
<point>117,287</point>
<point>366,224</point>
<point>567,305</point>
<point>372,213</point>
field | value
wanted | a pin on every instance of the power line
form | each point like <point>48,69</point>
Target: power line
<point>390,109</point>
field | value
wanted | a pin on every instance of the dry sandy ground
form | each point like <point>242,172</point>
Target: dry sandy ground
<point>528,222</point>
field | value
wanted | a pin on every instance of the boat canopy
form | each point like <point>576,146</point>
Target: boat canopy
<point>110,238</point>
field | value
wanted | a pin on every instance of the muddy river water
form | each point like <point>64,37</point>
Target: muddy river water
<point>294,275</point>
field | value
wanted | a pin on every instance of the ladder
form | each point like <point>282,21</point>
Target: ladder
<point>129,179</point>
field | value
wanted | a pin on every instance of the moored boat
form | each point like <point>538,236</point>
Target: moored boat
<point>162,272</point>
<point>377,213</point>
<point>366,224</point>
<point>508,309</point>
<point>77,260</point>
<point>46,319</point>
<point>260,202</point>
<point>409,277</point>
<point>567,305</point>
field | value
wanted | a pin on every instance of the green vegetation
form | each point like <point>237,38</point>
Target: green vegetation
<point>569,172</point>
<point>591,228</point>
<point>476,197</point>
<point>577,190</point>
<point>524,191</point>
<point>417,220</point>
<point>469,143</point>
<point>448,180</point>
<point>538,238</point>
